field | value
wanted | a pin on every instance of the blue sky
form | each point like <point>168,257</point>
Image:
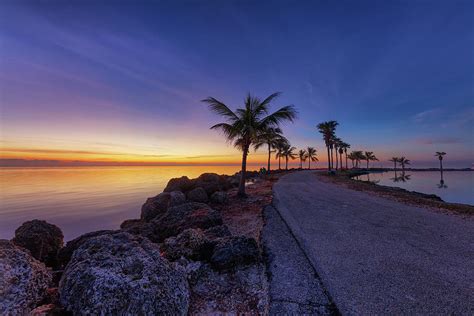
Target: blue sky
<point>397,75</point>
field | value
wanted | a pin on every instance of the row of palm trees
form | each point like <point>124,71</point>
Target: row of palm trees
<point>402,161</point>
<point>337,148</point>
<point>254,126</point>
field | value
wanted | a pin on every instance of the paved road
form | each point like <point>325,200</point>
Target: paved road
<point>377,256</point>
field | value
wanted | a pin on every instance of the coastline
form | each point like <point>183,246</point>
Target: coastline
<point>396,193</point>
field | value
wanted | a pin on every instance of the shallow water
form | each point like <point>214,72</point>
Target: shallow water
<point>457,186</point>
<point>84,199</point>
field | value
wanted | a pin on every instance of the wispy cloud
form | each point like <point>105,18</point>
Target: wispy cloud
<point>426,116</point>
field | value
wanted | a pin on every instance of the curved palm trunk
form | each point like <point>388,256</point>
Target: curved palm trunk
<point>241,191</point>
<point>329,159</point>
<point>269,156</point>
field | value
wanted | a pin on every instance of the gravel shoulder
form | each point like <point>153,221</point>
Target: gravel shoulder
<point>379,256</point>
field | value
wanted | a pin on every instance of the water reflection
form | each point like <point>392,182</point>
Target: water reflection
<point>459,190</point>
<point>84,199</point>
<point>401,178</point>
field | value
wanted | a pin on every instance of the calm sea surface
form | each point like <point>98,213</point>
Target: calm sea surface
<point>458,186</point>
<point>83,199</point>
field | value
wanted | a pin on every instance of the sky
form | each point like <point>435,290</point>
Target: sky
<point>120,82</point>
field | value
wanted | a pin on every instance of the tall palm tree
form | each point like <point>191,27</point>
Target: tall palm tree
<point>395,161</point>
<point>243,126</point>
<point>358,155</point>
<point>345,146</point>
<point>302,156</point>
<point>327,129</point>
<point>336,142</point>
<point>440,155</point>
<point>403,161</point>
<point>280,151</point>
<point>289,154</point>
<point>369,156</point>
<point>352,157</point>
<point>311,155</point>
<point>271,137</point>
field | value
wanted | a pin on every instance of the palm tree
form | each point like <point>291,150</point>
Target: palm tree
<point>311,155</point>
<point>369,156</point>
<point>327,129</point>
<point>352,158</point>
<point>280,151</point>
<point>302,156</point>
<point>244,125</point>
<point>270,137</point>
<point>289,154</point>
<point>345,146</point>
<point>394,160</point>
<point>358,155</point>
<point>336,142</point>
<point>440,155</point>
<point>403,161</point>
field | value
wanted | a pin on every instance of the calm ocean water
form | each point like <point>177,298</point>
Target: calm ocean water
<point>83,199</point>
<point>458,186</point>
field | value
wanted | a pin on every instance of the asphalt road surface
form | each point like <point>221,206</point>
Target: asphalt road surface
<point>378,256</point>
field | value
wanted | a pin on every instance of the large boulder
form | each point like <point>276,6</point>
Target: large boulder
<point>234,252</point>
<point>219,197</point>
<point>66,252</point>
<point>182,184</point>
<point>191,244</point>
<point>197,195</point>
<point>42,239</point>
<point>182,217</point>
<point>122,274</point>
<point>23,280</point>
<point>217,232</point>
<point>159,204</point>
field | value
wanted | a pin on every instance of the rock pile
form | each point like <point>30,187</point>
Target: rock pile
<point>162,263</point>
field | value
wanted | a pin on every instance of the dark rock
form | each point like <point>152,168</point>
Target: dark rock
<point>159,204</point>
<point>48,310</point>
<point>182,184</point>
<point>122,274</point>
<point>216,232</point>
<point>42,239</point>
<point>66,252</point>
<point>191,244</point>
<point>23,280</point>
<point>210,182</point>
<point>197,195</point>
<point>219,197</point>
<point>182,217</point>
<point>234,252</point>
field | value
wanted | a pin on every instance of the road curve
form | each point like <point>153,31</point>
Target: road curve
<point>377,256</point>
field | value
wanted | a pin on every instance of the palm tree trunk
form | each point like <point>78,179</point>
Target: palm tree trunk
<point>346,160</point>
<point>269,156</point>
<point>286,166</point>
<point>309,163</point>
<point>367,164</point>
<point>301,163</point>
<point>340,156</point>
<point>279,163</point>
<point>241,191</point>
<point>329,159</point>
<point>337,159</point>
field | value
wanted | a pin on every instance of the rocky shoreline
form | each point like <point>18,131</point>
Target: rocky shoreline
<point>195,249</point>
